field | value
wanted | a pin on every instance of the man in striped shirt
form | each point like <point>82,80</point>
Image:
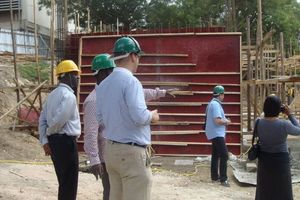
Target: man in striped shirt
<point>94,141</point>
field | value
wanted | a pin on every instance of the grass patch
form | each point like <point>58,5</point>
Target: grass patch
<point>29,71</point>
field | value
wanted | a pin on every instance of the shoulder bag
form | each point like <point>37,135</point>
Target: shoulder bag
<point>254,149</point>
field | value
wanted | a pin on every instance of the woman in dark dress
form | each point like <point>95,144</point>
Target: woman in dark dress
<point>273,171</point>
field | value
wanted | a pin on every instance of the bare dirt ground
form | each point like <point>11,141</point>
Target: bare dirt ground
<point>25,173</point>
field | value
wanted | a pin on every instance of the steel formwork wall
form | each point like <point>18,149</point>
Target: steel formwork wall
<point>192,62</point>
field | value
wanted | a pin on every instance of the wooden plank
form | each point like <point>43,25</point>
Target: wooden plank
<point>175,123</point>
<point>187,74</point>
<point>179,74</point>
<point>183,103</point>
<point>181,123</point>
<point>167,64</point>
<point>191,114</point>
<point>190,132</point>
<point>188,114</point>
<point>179,155</point>
<point>169,143</point>
<point>158,83</point>
<point>186,103</point>
<point>164,55</point>
<point>147,55</point>
<point>209,92</point>
<point>158,65</point>
<point>174,104</point>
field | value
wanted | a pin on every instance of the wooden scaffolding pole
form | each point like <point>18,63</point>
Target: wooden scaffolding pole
<point>52,39</point>
<point>249,74</point>
<point>36,53</point>
<point>65,24</point>
<point>282,92</point>
<point>14,50</point>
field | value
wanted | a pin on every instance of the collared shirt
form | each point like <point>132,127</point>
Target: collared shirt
<point>214,110</point>
<point>93,134</point>
<point>60,114</point>
<point>122,109</point>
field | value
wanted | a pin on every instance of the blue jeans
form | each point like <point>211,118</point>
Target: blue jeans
<point>219,154</point>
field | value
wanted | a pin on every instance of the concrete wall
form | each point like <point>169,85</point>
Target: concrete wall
<point>42,18</point>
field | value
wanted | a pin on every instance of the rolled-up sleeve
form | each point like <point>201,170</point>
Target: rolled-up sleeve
<point>154,94</point>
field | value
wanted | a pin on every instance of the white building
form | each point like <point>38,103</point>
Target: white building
<point>24,16</point>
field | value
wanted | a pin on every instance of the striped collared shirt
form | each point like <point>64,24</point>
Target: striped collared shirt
<point>60,114</point>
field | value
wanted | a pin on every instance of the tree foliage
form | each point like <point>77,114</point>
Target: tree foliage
<point>279,15</point>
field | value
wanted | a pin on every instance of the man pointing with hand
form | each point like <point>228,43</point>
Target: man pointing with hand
<point>122,111</point>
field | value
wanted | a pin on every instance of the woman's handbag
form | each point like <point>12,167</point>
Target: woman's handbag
<point>255,149</point>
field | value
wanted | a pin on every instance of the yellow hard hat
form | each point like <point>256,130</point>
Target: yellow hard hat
<point>66,66</point>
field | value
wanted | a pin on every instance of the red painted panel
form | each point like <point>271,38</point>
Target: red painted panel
<point>215,59</point>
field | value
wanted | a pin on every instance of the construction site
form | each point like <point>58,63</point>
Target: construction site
<point>191,59</point>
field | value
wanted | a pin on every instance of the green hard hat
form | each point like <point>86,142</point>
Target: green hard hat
<point>102,61</point>
<point>219,89</point>
<point>126,44</point>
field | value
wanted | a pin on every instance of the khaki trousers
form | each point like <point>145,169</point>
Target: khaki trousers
<point>130,175</point>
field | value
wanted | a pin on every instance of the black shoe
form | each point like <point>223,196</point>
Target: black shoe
<point>225,184</point>
<point>215,180</point>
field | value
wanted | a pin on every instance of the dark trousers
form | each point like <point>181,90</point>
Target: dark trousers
<point>105,183</point>
<point>274,180</point>
<point>65,159</point>
<point>219,153</point>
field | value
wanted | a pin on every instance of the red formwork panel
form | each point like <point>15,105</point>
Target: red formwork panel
<point>191,62</point>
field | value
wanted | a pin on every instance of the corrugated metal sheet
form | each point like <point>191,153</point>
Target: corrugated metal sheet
<point>5,5</point>
<point>192,62</point>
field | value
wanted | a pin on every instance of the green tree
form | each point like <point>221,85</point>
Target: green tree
<point>279,15</point>
<point>130,13</point>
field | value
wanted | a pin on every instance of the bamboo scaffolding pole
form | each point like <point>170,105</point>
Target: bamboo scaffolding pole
<point>65,23</point>
<point>249,74</point>
<point>14,50</point>
<point>52,38</point>
<point>38,71</point>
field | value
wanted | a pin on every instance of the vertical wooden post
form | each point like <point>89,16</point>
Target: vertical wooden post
<point>282,55</point>
<point>88,20</point>
<point>233,16</point>
<point>101,30</point>
<point>249,75</point>
<point>52,39</point>
<point>14,50</point>
<point>282,67</point>
<point>117,26</point>
<point>75,22</point>
<point>36,53</point>
<point>65,23</point>
<point>78,23</point>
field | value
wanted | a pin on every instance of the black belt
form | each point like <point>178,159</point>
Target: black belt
<point>61,135</point>
<point>129,143</point>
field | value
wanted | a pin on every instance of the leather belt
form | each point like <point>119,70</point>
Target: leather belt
<point>57,135</point>
<point>129,143</point>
